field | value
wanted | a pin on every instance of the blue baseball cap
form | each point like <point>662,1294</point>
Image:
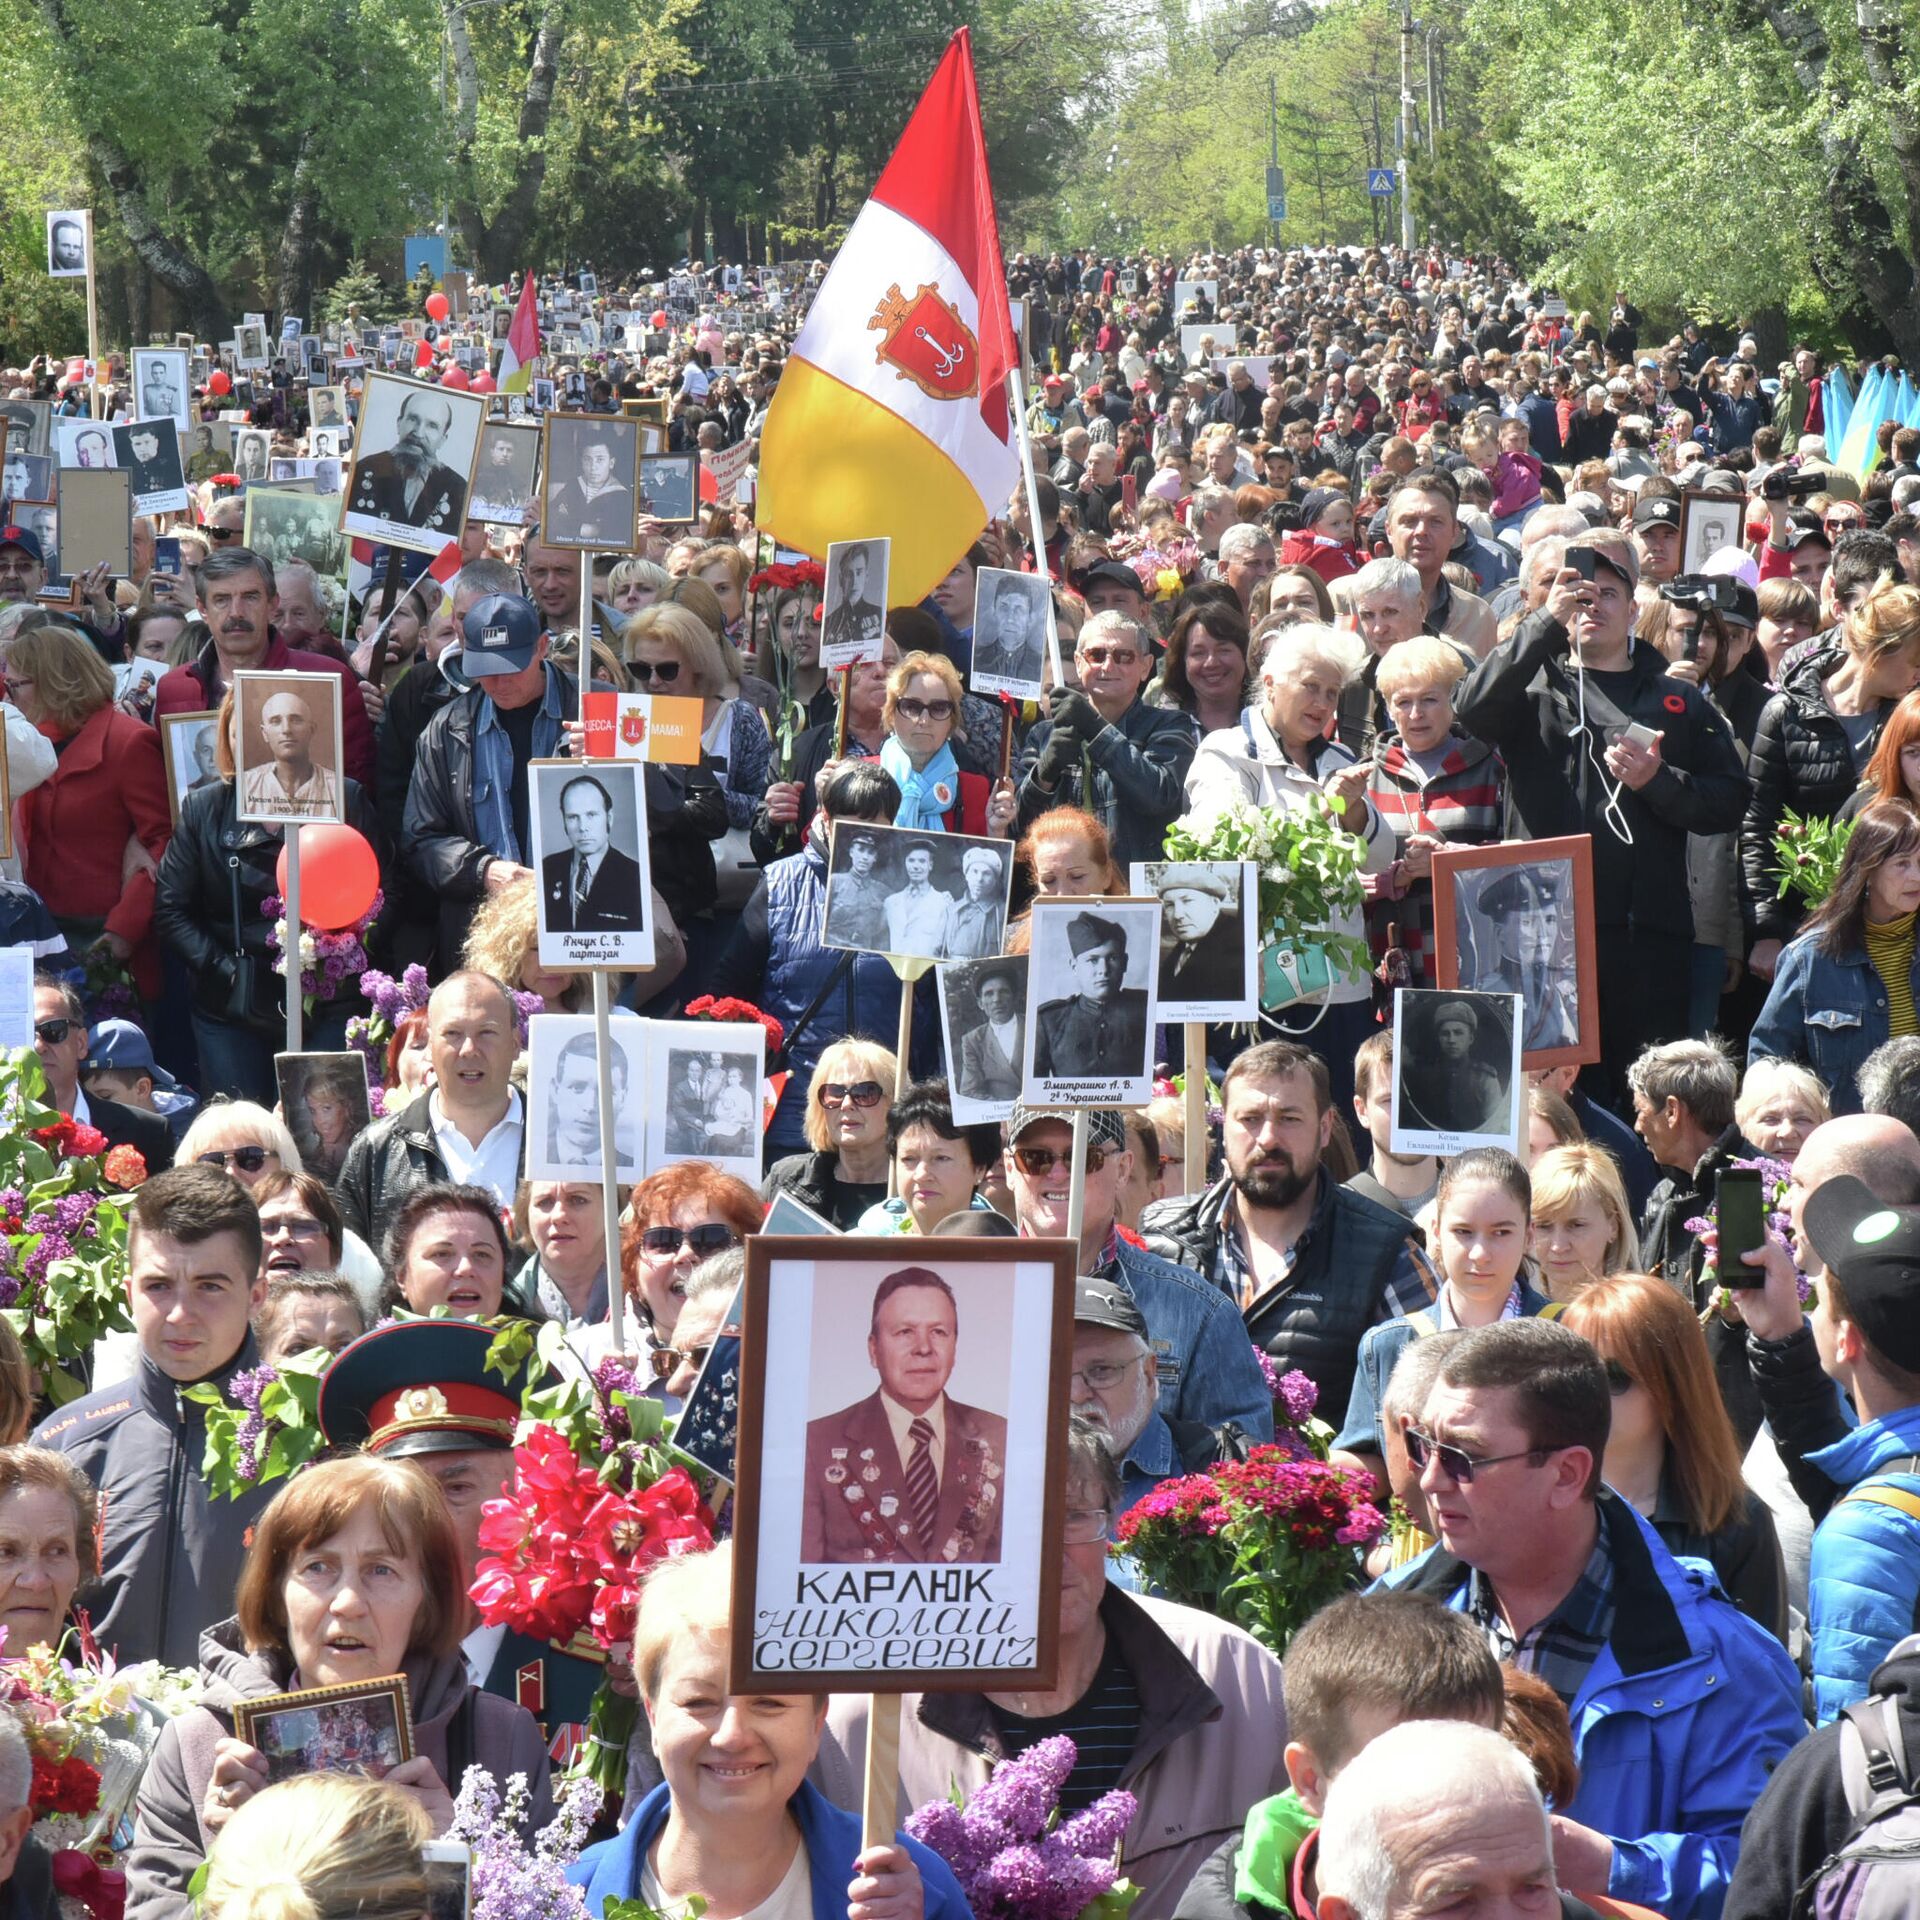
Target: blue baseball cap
<point>500,635</point>
<point>119,1046</point>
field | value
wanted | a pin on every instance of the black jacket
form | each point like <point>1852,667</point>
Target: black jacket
<point>1802,1411</point>
<point>412,701</point>
<point>1524,698</point>
<point>29,1893</point>
<point>195,901</point>
<point>129,1127</point>
<point>385,1163</point>
<point>1802,759</point>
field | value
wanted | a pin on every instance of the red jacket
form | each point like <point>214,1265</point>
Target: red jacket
<point>1299,547</point>
<point>189,689</point>
<point>109,786</point>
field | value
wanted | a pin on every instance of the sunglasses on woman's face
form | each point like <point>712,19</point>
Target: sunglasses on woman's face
<point>925,709</point>
<point>665,671</point>
<point>862,1093</point>
<point>247,1159</point>
<point>666,1360</point>
<point>703,1242</point>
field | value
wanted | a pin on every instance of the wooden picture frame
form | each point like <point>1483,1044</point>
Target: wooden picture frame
<point>1552,1035</point>
<point>180,736</point>
<point>609,522</point>
<point>253,1722</point>
<point>828,1563</point>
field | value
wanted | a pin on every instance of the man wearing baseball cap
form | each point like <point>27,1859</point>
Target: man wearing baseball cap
<point>1656,537</point>
<point>23,565</point>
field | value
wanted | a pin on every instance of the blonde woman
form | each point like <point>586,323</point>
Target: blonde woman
<point>634,585</point>
<point>1582,1225</point>
<point>327,1846</point>
<point>922,720</point>
<point>1780,1103</point>
<point>503,939</point>
<point>844,1172</point>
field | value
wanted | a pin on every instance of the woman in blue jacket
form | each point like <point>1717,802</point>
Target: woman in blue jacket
<point>1849,982</point>
<point>736,1823</point>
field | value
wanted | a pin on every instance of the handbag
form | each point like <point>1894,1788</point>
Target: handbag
<point>1290,973</point>
<point>239,1008</point>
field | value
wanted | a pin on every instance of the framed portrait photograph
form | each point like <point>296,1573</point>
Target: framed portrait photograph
<point>161,390</point>
<point>206,448</point>
<point>505,482</point>
<point>983,1022</point>
<point>1457,1078</point>
<point>917,896</point>
<point>325,1102</point>
<point>250,344</point>
<point>29,424</point>
<point>67,235</point>
<point>1708,522</point>
<point>853,613</point>
<point>82,442</point>
<point>327,408</point>
<point>289,748</point>
<point>96,521</point>
<point>670,488</point>
<point>591,477</point>
<point>252,452</point>
<point>704,1093</point>
<point>590,851</point>
<point>1090,1002</point>
<point>295,521</point>
<point>708,1423</point>
<point>43,522</point>
<point>1209,936</point>
<point>542,390</point>
<point>413,461</point>
<point>365,1727</point>
<point>563,1097</point>
<point>1012,633</point>
<point>900,1496</point>
<point>187,745</point>
<point>1518,918</point>
<point>27,476</point>
<point>323,443</point>
<point>148,451</point>
<point>1188,290</point>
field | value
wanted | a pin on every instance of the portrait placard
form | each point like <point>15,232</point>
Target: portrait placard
<point>148,452</point>
<point>250,344</point>
<point>44,524</point>
<point>866,1556</point>
<point>289,748</point>
<point>29,424</point>
<point>591,477</point>
<point>563,1097</point>
<point>293,521</point>
<point>983,1017</point>
<point>96,521</point>
<point>1708,522</point>
<point>1185,291</point>
<point>505,482</point>
<point>325,1102</point>
<point>413,460</point>
<point>365,1727</point>
<point>704,1093</point>
<point>28,477</point>
<point>708,1423</point>
<point>187,742</point>
<point>252,452</point>
<point>1457,1078</point>
<point>1259,371</point>
<point>67,234</point>
<point>590,852</point>
<point>207,446</point>
<point>161,390</point>
<point>1090,1002</point>
<point>1012,633</point>
<point>917,896</point>
<point>1518,918</point>
<point>82,442</point>
<point>327,408</point>
<point>1209,965</point>
<point>670,488</point>
<point>1198,344</point>
<point>853,617</point>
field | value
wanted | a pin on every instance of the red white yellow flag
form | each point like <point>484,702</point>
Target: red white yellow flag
<point>892,418</point>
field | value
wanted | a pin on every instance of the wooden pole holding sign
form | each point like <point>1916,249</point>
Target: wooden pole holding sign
<point>1017,378</point>
<point>93,326</point>
<point>846,709</point>
<point>1077,1187</point>
<point>296,1001</point>
<point>909,971</point>
<point>880,1800</point>
<point>1196,1105</point>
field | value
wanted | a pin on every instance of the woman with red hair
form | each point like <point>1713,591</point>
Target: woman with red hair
<point>678,1217</point>
<point>1894,771</point>
<point>1065,853</point>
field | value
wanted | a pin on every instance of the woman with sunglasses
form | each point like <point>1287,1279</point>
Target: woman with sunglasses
<point>816,752</point>
<point>242,1138</point>
<point>1671,1450</point>
<point>678,1217</point>
<point>922,718</point>
<point>848,1101</point>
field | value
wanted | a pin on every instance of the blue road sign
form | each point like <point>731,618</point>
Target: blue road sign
<point>1276,206</point>
<point>1382,182</point>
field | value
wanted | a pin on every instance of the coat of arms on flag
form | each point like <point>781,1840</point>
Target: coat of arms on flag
<point>928,343</point>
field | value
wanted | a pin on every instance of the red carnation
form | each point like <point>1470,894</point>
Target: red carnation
<point>64,1786</point>
<point>87,1140</point>
<point>125,1167</point>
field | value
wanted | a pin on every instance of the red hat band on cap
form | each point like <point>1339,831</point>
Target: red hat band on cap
<point>456,1407</point>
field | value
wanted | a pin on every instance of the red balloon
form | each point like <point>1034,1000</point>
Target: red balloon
<point>218,382</point>
<point>456,377</point>
<point>339,875</point>
<point>709,486</point>
<point>660,321</point>
<point>423,355</point>
<point>481,383</point>
<point>438,306</point>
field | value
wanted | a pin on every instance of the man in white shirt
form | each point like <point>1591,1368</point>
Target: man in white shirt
<point>919,915</point>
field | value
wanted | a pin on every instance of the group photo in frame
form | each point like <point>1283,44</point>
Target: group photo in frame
<point>1090,1002</point>
<point>413,459</point>
<point>590,852</point>
<point>590,467</point>
<point>563,1097</point>
<point>915,895</point>
<point>1209,966</point>
<point>1517,917</point>
<point>364,1727</point>
<point>289,748</point>
<point>1457,1078</point>
<point>850,1546</point>
<point>704,1102</point>
<point>293,521</point>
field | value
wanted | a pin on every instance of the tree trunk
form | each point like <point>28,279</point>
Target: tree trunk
<point>295,276</point>
<point>168,263</point>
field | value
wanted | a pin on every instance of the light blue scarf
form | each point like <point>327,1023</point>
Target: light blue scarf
<point>924,796</point>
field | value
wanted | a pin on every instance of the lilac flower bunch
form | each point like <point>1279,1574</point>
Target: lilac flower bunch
<point>1013,1856</point>
<point>1295,1431</point>
<point>329,958</point>
<point>510,1880</point>
<point>267,1424</point>
<point>1775,1178</point>
<point>392,1000</point>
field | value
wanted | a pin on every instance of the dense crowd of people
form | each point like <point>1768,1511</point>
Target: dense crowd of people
<point>1390,531</point>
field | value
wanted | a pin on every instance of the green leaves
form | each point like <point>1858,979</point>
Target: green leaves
<point>1809,853</point>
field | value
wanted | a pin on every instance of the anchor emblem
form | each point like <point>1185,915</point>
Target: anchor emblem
<point>927,342</point>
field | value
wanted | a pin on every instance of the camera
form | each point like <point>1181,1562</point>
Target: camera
<point>1790,483</point>
<point>1703,592</point>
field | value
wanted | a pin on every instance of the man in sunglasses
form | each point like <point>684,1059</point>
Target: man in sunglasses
<point>60,1039</point>
<point>1681,1706</point>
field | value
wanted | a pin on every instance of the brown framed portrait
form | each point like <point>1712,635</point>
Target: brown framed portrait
<point>901,1467</point>
<point>1518,918</point>
<point>365,1727</point>
<point>590,479</point>
<point>187,745</point>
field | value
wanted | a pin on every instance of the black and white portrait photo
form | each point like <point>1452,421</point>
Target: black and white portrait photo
<point>160,387</point>
<point>83,442</point>
<point>1011,612</point>
<point>983,1015</point>
<point>149,453</point>
<point>1709,522</point>
<point>926,896</point>
<point>327,407</point>
<point>563,1096</point>
<point>323,443</point>
<point>250,345</point>
<point>590,851</point>
<point>413,463</point>
<point>853,616</point>
<point>1209,936</point>
<point>1090,1002</point>
<point>670,488</point>
<point>252,452</point>
<point>285,523</point>
<point>29,424</point>
<point>67,245</point>
<point>703,1093</point>
<point>288,747</point>
<point>27,476</point>
<point>503,483</point>
<point>187,743</point>
<point>591,465</point>
<point>1457,1079</point>
<point>324,1101</point>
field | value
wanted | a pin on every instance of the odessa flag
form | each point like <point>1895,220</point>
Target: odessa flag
<point>891,417</point>
<point>522,347</point>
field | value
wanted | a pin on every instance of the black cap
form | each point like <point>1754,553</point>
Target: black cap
<point>1803,525</point>
<point>419,1386</point>
<point>1105,1303</point>
<point>1874,1251</point>
<point>1661,510</point>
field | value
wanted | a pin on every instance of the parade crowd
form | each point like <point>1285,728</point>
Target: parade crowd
<point>1393,532</point>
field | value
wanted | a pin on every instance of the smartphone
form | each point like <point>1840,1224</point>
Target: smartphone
<point>1581,559</point>
<point>166,556</point>
<point>449,1872</point>
<point>1740,1205</point>
<point>1639,735</point>
<point>1130,493</point>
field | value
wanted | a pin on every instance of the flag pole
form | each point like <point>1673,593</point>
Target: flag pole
<point>1037,529</point>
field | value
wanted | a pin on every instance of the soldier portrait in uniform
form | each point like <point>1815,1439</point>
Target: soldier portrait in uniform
<point>853,618</point>
<point>413,463</point>
<point>592,474</point>
<point>289,747</point>
<point>1092,1044</point>
<point>503,484</point>
<point>590,851</point>
<point>160,386</point>
<point>1209,937</point>
<point>1009,633</point>
<point>926,896</point>
<point>1457,1080</point>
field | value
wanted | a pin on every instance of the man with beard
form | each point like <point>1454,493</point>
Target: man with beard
<point>407,484</point>
<point>1311,1263</point>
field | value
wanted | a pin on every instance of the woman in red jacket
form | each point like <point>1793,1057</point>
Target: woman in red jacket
<point>95,831</point>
